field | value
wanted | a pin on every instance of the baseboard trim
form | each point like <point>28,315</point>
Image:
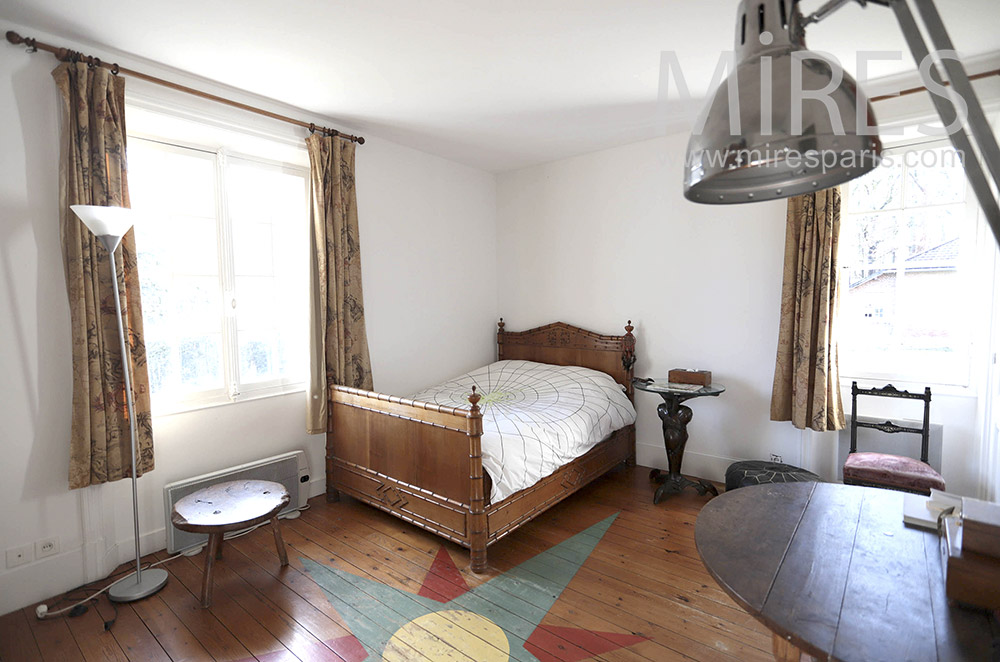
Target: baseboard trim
<point>317,486</point>
<point>702,465</point>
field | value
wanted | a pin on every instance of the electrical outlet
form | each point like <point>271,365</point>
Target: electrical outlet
<point>46,547</point>
<point>775,457</point>
<point>20,555</point>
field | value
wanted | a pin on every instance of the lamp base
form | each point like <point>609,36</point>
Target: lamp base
<point>127,589</point>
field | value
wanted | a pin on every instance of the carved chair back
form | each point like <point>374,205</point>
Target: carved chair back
<point>890,391</point>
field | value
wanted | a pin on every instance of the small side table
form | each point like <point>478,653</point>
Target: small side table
<point>224,507</point>
<point>675,417</point>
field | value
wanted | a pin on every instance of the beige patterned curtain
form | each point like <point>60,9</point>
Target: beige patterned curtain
<point>92,172</point>
<point>806,378</point>
<point>338,341</point>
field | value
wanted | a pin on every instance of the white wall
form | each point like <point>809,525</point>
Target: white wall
<point>596,239</point>
<point>602,238</point>
<point>429,269</point>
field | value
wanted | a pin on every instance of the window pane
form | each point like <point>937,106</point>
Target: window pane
<point>269,215</point>
<point>199,361</point>
<point>178,179</point>
<point>901,253</point>
<point>933,228</point>
<point>869,243</point>
<point>879,189</point>
<point>177,250</point>
<point>934,177</point>
<point>257,360</point>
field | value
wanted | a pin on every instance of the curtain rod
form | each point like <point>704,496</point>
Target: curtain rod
<point>914,90</point>
<point>67,55</point>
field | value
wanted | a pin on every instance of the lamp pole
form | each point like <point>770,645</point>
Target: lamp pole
<point>109,225</point>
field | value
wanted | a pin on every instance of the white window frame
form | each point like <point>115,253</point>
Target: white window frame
<point>973,235</point>
<point>233,391</point>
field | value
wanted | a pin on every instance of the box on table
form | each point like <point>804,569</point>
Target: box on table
<point>981,521</point>
<point>968,577</point>
<point>682,376</point>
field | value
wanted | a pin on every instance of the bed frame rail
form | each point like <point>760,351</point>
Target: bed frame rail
<point>419,461</point>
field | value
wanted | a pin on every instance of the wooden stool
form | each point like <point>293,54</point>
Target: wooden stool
<point>225,507</point>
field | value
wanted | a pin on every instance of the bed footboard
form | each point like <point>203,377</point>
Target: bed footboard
<point>418,461</point>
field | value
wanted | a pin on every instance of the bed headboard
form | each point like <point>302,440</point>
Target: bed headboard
<point>564,344</point>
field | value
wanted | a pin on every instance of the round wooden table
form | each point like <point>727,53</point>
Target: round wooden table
<point>833,571</point>
<point>231,506</point>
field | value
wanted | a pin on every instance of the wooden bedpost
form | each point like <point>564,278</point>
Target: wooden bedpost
<point>628,358</point>
<point>477,501</point>
<point>500,340</point>
<point>628,361</point>
<point>332,494</point>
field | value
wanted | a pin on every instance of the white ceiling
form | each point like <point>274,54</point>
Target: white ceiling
<point>497,85</point>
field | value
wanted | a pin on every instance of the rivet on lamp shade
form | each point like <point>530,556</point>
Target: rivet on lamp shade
<point>769,157</point>
<point>106,221</point>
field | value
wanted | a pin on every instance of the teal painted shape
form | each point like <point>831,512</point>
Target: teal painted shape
<point>516,601</point>
<point>373,611</point>
<point>541,579</point>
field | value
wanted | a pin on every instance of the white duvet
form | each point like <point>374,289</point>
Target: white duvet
<point>536,416</point>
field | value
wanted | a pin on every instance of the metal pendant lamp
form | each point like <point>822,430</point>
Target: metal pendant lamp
<point>109,225</point>
<point>762,135</point>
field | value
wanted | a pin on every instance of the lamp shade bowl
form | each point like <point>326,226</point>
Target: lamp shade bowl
<point>106,222</point>
<point>786,121</point>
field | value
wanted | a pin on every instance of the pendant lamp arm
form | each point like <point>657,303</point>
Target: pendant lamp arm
<point>830,7</point>
<point>980,152</point>
<point>975,117</point>
<point>959,79</point>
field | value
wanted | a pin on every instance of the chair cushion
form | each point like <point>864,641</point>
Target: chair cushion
<point>894,471</point>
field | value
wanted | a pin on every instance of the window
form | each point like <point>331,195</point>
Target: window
<point>906,250</point>
<point>223,266</point>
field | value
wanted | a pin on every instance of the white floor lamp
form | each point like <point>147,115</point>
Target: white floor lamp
<point>109,225</point>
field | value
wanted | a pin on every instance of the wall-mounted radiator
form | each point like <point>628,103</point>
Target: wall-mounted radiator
<point>289,469</point>
<point>899,443</point>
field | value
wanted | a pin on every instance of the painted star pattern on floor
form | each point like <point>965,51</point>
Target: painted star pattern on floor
<point>499,620</point>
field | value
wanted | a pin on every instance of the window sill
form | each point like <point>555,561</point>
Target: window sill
<point>180,408</point>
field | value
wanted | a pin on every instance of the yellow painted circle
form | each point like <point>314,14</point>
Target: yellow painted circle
<point>449,635</point>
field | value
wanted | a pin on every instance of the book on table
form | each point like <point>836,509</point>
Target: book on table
<point>923,511</point>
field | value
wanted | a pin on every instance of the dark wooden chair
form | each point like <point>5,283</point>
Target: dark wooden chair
<point>894,472</point>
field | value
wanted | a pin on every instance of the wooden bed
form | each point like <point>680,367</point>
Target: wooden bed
<point>423,462</point>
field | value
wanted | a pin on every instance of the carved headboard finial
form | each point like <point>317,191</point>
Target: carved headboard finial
<point>500,336</point>
<point>628,347</point>
<point>474,399</point>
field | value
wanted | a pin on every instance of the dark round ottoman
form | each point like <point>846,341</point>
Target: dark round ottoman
<point>758,472</point>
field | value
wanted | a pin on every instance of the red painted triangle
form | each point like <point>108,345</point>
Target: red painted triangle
<point>348,647</point>
<point>443,582</point>
<point>551,643</point>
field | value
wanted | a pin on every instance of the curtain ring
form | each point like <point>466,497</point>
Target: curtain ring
<point>32,48</point>
<point>312,128</point>
<point>115,69</point>
<point>93,62</point>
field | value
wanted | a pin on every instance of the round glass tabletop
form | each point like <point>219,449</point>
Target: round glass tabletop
<point>663,386</point>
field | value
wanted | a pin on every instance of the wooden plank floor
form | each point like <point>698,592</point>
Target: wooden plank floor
<point>641,593</point>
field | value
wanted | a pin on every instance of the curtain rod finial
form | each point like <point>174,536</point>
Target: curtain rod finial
<point>14,38</point>
<point>361,140</point>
